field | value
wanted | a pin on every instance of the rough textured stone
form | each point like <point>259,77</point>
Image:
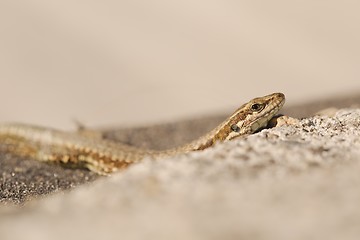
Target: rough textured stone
<point>291,182</point>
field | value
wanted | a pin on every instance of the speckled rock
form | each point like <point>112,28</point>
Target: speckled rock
<point>290,182</point>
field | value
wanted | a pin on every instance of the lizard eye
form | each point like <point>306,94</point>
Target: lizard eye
<point>235,128</point>
<point>256,107</point>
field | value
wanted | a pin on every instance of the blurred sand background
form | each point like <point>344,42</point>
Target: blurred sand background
<point>137,62</point>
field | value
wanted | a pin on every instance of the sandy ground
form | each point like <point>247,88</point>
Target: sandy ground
<point>291,182</point>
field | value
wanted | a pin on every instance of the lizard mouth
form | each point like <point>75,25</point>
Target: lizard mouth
<point>261,123</point>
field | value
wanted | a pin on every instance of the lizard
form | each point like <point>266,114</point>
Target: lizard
<point>104,156</point>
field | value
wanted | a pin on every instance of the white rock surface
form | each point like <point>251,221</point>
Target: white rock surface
<point>290,182</point>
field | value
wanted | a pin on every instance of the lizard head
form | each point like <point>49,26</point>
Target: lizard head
<point>251,116</point>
